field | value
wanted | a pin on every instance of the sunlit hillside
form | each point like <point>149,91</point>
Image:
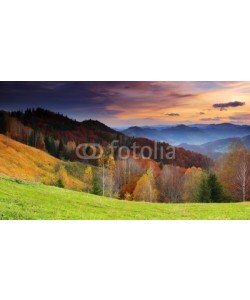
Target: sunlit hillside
<point>23,162</point>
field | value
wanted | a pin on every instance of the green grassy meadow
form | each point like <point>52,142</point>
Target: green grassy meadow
<point>26,201</point>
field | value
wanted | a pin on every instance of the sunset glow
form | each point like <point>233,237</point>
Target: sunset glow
<point>135,103</point>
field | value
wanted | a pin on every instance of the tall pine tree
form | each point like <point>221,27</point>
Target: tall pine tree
<point>204,193</point>
<point>215,188</point>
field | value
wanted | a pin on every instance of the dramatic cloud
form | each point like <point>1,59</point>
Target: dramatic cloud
<point>172,115</point>
<point>224,106</point>
<point>128,103</point>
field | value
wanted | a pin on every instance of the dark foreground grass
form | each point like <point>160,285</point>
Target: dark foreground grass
<point>25,201</point>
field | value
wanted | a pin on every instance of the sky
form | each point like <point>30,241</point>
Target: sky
<point>123,104</point>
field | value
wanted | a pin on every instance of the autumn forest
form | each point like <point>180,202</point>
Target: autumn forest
<point>186,177</point>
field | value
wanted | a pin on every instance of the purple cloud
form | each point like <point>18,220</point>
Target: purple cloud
<point>172,115</point>
<point>224,106</point>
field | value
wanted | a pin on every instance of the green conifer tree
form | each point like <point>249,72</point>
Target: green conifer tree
<point>204,193</point>
<point>215,188</point>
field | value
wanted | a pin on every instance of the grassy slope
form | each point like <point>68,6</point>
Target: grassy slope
<point>23,162</point>
<point>37,201</point>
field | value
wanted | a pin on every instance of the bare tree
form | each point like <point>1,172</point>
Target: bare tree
<point>242,176</point>
<point>170,184</point>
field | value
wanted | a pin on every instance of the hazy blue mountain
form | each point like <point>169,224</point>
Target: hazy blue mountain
<point>216,148</point>
<point>195,134</point>
<point>149,132</point>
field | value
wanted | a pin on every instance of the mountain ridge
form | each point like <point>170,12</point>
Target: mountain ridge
<point>218,147</point>
<point>195,135</point>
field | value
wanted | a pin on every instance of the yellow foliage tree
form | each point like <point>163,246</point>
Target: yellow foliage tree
<point>192,180</point>
<point>88,178</point>
<point>145,189</point>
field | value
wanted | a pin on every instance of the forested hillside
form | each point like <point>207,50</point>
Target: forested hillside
<point>131,179</point>
<point>59,136</point>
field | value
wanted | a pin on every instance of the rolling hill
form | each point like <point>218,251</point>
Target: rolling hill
<point>62,127</point>
<point>23,162</point>
<point>25,201</point>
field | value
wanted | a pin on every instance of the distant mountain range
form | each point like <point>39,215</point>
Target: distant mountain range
<point>196,134</point>
<point>216,148</point>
